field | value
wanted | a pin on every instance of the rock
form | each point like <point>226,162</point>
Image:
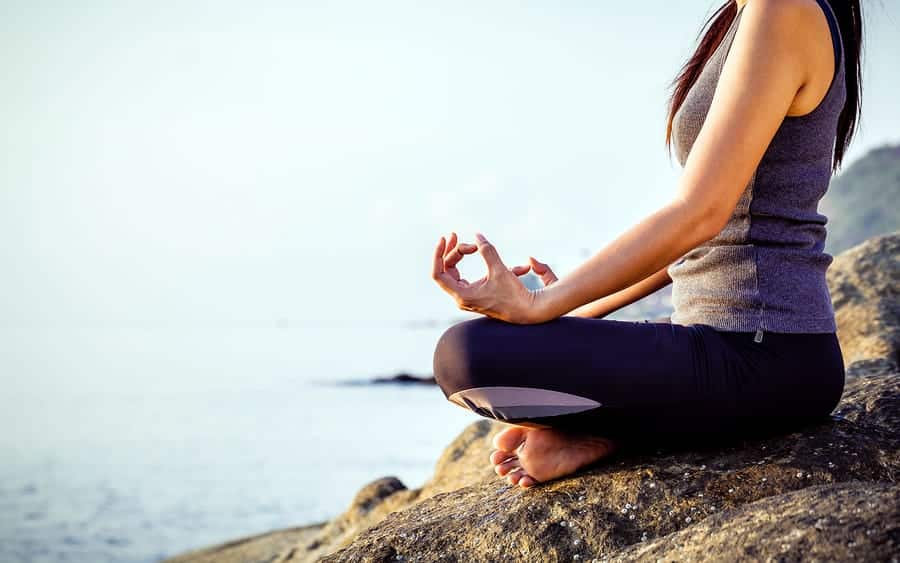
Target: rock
<point>461,463</point>
<point>824,491</point>
<point>405,378</point>
<point>263,547</point>
<point>847,522</point>
<point>607,508</point>
<point>370,505</point>
<point>873,397</point>
<point>864,282</point>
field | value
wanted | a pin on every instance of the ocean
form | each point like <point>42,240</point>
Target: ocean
<point>137,443</point>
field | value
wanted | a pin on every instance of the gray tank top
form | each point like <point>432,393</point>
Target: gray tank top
<point>765,270</point>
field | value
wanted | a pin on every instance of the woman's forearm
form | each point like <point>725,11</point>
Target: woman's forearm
<point>606,305</point>
<point>641,251</point>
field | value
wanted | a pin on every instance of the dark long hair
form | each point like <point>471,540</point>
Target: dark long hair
<point>849,19</point>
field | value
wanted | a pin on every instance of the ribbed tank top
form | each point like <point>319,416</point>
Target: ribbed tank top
<point>765,270</point>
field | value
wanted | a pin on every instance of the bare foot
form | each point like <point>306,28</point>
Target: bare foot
<point>528,455</point>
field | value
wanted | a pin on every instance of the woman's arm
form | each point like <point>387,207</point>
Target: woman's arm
<point>640,252</point>
<point>606,305</point>
<point>767,65</point>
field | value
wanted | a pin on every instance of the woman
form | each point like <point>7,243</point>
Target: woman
<point>760,117</point>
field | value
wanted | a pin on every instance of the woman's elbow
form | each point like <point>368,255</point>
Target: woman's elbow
<point>702,221</point>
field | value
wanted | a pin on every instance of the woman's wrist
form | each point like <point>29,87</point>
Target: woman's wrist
<point>534,313</point>
<point>548,303</point>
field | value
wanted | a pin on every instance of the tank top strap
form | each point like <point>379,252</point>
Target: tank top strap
<point>836,39</point>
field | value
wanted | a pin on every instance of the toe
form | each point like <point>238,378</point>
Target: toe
<point>527,481</point>
<point>515,476</point>
<point>499,456</point>
<point>507,467</point>
<point>510,439</point>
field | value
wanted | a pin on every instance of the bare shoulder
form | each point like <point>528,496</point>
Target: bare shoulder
<point>794,33</point>
<point>783,9</point>
<point>776,35</point>
<point>792,19</point>
<point>793,22</point>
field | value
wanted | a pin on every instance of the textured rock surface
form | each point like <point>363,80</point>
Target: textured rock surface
<point>264,547</point>
<point>845,522</point>
<point>619,503</point>
<point>461,464</point>
<point>864,282</point>
<point>825,492</point>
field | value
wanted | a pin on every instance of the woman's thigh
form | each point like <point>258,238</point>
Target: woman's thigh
<point>635,378</point>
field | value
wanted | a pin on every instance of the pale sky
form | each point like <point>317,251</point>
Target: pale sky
<point>236,162</point>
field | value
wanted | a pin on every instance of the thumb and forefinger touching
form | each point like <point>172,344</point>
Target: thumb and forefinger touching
<point>448,254</point>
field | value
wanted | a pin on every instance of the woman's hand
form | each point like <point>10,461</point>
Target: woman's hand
<point>542,270</point>
<point>499,294</point>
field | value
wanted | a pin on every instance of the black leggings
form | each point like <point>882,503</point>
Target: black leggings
<point>650,381</point>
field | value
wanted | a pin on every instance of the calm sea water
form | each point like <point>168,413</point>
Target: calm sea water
<point>133,444</point>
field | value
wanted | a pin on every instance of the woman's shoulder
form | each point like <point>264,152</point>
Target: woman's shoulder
<point>799,18</point>
<point>784,8</point>
<point>801,36</point>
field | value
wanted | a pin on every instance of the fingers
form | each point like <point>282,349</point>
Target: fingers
<point>437,266</point>
<point>443,270</point>
<point>489,253</point>
<point>520,270</point>
<point>543,270</point>
<point>454,252</point>
<point>539,267</point>
<point>453,257</point>
<point>451,243</point>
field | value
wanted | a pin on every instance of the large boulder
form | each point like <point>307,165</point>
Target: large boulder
<point>664,499</point>
<point>864,282</point>
<point>825,491</point>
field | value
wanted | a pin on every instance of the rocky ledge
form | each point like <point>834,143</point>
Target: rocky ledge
<point>825,492</point>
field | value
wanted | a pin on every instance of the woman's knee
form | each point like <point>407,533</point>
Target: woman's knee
<point>455,356</point>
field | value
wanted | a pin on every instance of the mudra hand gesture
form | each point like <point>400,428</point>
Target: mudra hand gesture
<point>499,294</point>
